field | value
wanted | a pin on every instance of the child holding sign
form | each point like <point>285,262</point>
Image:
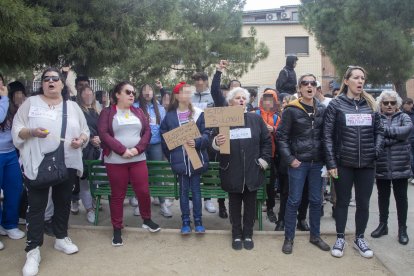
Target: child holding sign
<point>181,112</point>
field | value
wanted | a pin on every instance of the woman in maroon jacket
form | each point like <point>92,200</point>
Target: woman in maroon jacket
<point>125,133</point>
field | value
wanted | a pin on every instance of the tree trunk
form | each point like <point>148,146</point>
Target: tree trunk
<point>401,88</point>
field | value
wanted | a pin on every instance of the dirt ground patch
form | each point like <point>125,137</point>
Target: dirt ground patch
<point>169,253</point>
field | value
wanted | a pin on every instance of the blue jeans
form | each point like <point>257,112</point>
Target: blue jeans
<point>186,183</point>
<point>11,183</point>
<point>154,153</point>
<point>297,176</point>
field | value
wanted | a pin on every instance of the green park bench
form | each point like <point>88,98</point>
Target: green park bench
<point>160,171</point>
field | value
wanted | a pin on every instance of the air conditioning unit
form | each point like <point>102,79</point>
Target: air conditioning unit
<point>285,16</point>
<point>271,17</point>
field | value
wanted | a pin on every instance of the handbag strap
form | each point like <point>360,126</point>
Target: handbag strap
<point>64,122</point>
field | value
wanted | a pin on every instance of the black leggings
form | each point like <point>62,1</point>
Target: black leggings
<point>248,200</point>
<point>364,182</point>
<point>399,187</point>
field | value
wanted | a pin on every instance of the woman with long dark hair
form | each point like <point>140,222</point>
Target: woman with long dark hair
<point>353,140</point>
<point>155,113</point>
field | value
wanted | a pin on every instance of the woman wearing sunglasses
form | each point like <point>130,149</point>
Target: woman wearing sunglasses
<point>353,140</point>
<point>125,134</point>
<point>36,131</point>
<point>393,166</point>
<point>300,147</point>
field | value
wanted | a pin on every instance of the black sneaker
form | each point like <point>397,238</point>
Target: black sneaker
<point>280,226</point>
<point>151,226</point>
<point>338,248</point>
<point>248,243</point>
<point>361,245</point>
<point>223,212</point>
<point>287,247</point>
<point>237,244</point>
<point>271,216</point>
<point>117,238</point>
<point>303,225</point>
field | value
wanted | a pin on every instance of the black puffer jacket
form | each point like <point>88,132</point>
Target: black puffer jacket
<point>241,166</point>
<point>299,135</point>
<point>286,81</point>
<point>354,145</point>
<point>395,161</point>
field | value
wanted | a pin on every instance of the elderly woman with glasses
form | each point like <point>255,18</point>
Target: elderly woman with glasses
<point>125,133</point>
<point>353,140</point>
<point>36,131</point>
<point>393,166</point>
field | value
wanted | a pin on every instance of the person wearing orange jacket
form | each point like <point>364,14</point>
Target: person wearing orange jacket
<point>269,111</point>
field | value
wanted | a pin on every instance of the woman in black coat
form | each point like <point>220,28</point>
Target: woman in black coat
<point>393,166</point>
<point>353,140</point>
<point>242,171</point>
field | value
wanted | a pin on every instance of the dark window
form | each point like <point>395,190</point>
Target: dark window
<point>298,45</point>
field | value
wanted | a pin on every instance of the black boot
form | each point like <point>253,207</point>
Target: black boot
<point>271,215</point>
<point>402,235</point>
<point>280,226</point>
<point>223,211</point>
<point>381,230</point>
<point>303,225</point>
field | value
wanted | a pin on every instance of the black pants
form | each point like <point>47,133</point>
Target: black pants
<point>248,199</point>
<point>364,182</point>
<point>76,190</point>
<point>399,187</point>
<point>270,187</point>
<point>284,193</point>
<point>37,201</point>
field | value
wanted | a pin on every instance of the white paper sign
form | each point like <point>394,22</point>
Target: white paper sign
<point>202,106</point>
<point>129,120</point>
<point>42,112</point>
<point>358,119</point>
<point>240,133</point>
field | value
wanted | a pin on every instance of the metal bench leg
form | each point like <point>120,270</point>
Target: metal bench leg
<point>98,203</point>
<point>260,215</point>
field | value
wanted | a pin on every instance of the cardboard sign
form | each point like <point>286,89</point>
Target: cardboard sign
<point>224,118</point>
<point>179,137</point>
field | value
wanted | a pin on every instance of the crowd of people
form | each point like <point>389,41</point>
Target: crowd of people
<point>304,137</point>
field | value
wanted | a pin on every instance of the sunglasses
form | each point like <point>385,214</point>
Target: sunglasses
<point>129,92</point>
<point>53,78</point>
<point>389,102</point>
<point>306,83</point>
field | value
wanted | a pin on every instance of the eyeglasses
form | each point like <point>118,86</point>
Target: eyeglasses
<point>306,83</point>
<point>129,92</point>
<point>53,78</point>
<point>389,102</point>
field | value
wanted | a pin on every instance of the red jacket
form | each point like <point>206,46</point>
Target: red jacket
<point>106,133</point>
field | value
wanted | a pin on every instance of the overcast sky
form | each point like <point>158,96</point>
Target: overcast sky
<point>268,4</point>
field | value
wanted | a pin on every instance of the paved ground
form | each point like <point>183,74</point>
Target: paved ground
<point>211,254</point>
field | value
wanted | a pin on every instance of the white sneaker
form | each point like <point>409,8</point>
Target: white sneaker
<point>74,208</point>
<point>66,245</point>
<point>412,181</point>
<point>338,248</point>
<point>1,245</point>
<point>156,201</point>
<point>31,267</point>
<point>90,216</point>
<point>133,201</point>
<point>169,202</point>
<point>352,202</point>
<point>165,211</point>
<point>14,234</point>
<point>136,211</point>
<point>209,206</point>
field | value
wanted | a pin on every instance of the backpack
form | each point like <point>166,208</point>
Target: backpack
<point>274,117</point>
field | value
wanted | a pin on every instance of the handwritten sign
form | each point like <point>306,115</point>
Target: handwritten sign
<point>358,119</point>
<point>179,137</point>
<point>224,118</point>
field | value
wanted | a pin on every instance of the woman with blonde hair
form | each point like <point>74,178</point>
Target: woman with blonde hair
<point>353,140</point>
